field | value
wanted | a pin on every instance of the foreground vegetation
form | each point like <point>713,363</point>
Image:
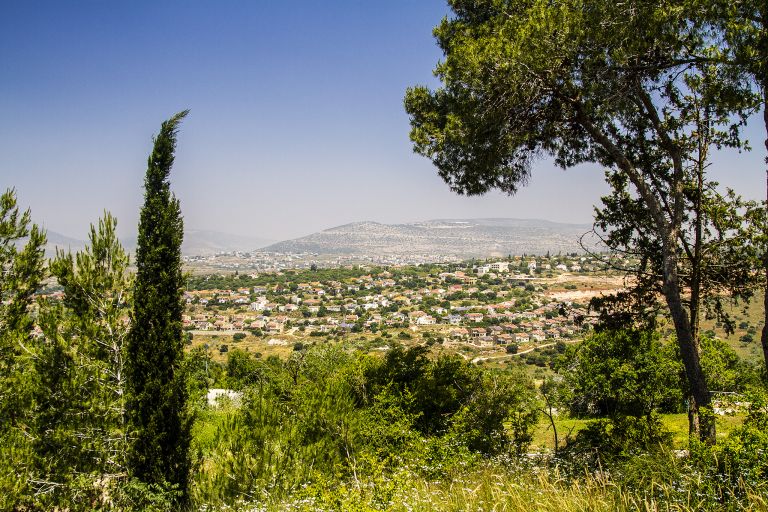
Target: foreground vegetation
<point>418,443</point>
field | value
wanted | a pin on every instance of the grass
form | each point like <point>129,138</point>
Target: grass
<point>493,485</point>
<point>206,425</point>
<point>753,314</point>
<point>494,488</point>
<point>676,424</point>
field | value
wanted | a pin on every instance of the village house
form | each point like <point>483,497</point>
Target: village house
<point>521,337</point>
<point>459,333</point>
<point>474,317</point>
<point>500,266</point>
<point>484,341</point>
<point>425,320</point>
<point>482,270</point>
<point>415,315</point>
<point>454,319</point>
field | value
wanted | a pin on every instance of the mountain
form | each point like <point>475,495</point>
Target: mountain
<point>196,243</point>
<point>200,242</point>
<point>463,238</point>
<point>62,242</point>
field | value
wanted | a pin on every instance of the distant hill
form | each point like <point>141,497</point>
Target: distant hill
<point>196,243</point>
<point>62,242</point>
<point>464,238</point>
<point>200,242</point>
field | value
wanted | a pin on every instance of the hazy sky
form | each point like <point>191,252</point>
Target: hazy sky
<point>297,121</point>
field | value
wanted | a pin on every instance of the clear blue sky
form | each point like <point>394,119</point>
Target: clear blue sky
<point>297,121</point>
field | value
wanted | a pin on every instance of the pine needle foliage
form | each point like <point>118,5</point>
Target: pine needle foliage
<point>158,419</point>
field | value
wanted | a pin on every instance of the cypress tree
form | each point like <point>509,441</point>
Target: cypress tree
<point>158,419</point>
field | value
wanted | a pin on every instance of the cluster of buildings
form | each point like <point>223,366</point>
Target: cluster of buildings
<point>460,304</point>
<point>276,261</point>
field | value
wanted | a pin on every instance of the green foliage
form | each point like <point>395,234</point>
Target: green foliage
<point>723,368</point>
<point>242,369</point>
<point>21,274</point>
<point>728,476</point>
<point>200,373</point>
<point>742,457</point>
<point>358,417</point>
<point>624,377</point>
<point>157,394</point>
<point>501,413</point>
<point>22,267</point>
<point>80,436</point>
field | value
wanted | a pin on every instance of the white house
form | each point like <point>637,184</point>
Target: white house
<point>500,266</point>
<point>425,320</point>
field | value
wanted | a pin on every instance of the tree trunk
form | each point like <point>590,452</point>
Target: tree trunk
<point>701,421</point>
<point>764,335</point>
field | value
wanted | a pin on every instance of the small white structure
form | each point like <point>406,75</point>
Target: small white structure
<point>215,394</point>
<point>482,270</point>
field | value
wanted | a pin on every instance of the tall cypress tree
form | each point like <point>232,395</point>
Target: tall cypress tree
<point>158,421</point>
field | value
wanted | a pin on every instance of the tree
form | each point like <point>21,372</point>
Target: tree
<point>22,271</point>
<point>500,414</point>
<point>554,394</point>
<point>744,23</point>
<point>80,437</point>
<point>158,419</point>
<point>623,378</point>
<point>611,84</point>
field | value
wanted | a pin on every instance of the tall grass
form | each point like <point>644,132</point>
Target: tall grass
<point>496,488</point>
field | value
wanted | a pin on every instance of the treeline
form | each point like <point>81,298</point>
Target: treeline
<point>93,398</point>
<point>284,278</point>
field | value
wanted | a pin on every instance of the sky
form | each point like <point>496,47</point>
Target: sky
<point>296,123</point>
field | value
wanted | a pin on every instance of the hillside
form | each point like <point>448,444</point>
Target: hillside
<point>464,238</point>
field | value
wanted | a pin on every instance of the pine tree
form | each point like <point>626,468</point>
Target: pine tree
<point>22,271</point>
<point>158,419</point>
<point>80,400</point>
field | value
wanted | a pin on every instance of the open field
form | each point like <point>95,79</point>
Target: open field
<point>676,424</point>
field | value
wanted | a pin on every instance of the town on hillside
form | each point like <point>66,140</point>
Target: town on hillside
<point>485,309</point>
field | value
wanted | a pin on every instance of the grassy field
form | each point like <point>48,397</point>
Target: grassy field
<point>676,424</point>
<point>749,320</point>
